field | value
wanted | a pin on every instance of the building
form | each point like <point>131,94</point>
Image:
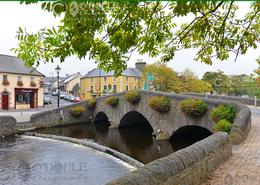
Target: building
<point>98,82</point>
<point>71,84</point>
<point>20,87</point>
<point>51,83</point>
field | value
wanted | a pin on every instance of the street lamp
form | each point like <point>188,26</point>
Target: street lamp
<point>58,69</point>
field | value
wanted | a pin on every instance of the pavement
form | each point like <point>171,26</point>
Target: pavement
<point>244,166</point>
<point>22,116</point>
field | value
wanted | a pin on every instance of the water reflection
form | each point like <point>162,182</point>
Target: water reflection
<point>31,161</point>
<point>135,141</point>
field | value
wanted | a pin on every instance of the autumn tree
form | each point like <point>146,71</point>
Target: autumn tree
<point>109,32</point>
<point>165,77</point>
<point>191,83</point>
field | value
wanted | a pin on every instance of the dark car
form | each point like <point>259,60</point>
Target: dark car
<point>46,100</point>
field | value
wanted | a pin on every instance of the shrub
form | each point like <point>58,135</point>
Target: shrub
<point>160,103</point>
<point>91,103</point>
<point>112,100</point>
<point>227,112</point>
<point>133,96</point>
<point>223,125</point>
<point>193,107</point>
<point>77,111</point>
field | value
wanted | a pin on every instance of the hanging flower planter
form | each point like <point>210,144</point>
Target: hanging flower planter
<point>112,100</point>
<point>133,96</point>
<point>160,103</point>
<point>6,82</point>
<point>20,83</point>
<point>193,107</point>
<point>33,84</point>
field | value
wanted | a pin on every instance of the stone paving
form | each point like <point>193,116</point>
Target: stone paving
<point>243,168</point>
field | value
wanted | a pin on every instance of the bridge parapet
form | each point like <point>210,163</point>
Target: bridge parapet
<point>165,124</point>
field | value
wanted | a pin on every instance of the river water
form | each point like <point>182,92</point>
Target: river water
<point>134,141</point>
<point>27,160</point>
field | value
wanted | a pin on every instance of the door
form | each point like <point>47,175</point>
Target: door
<point>31,100</point>
<point>5,101</point>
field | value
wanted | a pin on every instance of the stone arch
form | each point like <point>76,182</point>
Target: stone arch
<point>101,119</point>
<point>134,118</point>
<point>187,135</point>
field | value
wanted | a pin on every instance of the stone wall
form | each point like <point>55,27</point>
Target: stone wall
<point>247,101</point>
<point>59,116</point>
<point>188,166</point>
<point>166,124</point>
<point>8,126</point>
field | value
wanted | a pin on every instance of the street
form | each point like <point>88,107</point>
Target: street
<point>24,115</point>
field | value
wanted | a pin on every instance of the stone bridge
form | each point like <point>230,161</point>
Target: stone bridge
<point>163,124</point>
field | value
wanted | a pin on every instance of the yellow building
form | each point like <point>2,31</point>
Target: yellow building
<point>97,82</point>
<point>20,87</point>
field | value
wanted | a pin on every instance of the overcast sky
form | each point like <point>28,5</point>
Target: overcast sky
<point>13,15</point>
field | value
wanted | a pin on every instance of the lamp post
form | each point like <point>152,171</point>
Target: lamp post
<point>58,69</point>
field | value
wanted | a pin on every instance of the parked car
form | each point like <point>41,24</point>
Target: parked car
<point>77,99</point>
<point>46,91</point>
<point>55,93</point>
<point>72,98</point>
<point>46,100</point>
<point>62,95</point>
<point>67,97</point>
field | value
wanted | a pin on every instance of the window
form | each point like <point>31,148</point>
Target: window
<point>4,77</point>
<point>105,79</point>
<point>19,78</point>
<point>126,88</point>
<point>23,98</point>
<point>105,87</point>
<point>109,86</point>
<point>91,89</point>
<point>114,87</point>
<point>126,78</point>
<point>91,80</point>
<point>32,79</point>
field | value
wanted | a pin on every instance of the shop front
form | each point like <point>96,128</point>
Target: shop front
<point>26,98</point>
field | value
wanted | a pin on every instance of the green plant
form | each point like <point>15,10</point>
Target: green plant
<point>193,107</point>
<point>91,103</point>
<point>133,96</point>
<point>112,100</point>
<point>227,112</point>
<point>223,125</point>
<point>77,111</point>
<point>160,103</point>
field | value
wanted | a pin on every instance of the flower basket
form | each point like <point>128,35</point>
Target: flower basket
<point>160,103</point>
<point>112,100</point>
<point>6,82</point>
<point>20,83</point>
<point>193,107</point>
<point>133,96</point>
<point>33,84</point>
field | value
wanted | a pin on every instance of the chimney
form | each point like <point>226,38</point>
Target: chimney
<point>140,64</point>
<point>67,75</point>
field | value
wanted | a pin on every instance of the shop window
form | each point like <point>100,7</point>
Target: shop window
<point>23,98</point>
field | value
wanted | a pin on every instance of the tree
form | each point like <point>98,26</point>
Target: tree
<point>109,32</point>
<point>165,77</point>
<point>219,81</point>
<point>191,83</point>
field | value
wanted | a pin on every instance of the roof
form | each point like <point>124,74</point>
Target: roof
<point>11,64</point>
<point>71,77</point>
<point>127,72</point>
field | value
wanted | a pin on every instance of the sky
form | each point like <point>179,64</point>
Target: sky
<point>31,17</point>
